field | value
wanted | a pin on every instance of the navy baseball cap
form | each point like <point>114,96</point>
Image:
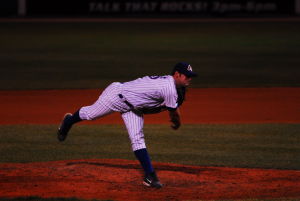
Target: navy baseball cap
<point>184,68</point>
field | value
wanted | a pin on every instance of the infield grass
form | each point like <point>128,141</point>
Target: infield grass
<point>252,146</point>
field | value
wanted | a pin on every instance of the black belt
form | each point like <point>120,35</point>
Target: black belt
<point>125,101</point>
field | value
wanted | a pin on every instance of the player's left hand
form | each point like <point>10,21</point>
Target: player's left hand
<point>175,119</point>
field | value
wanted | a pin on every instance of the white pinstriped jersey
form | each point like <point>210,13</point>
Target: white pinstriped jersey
<point>151,92</point>
<point>145,92</point>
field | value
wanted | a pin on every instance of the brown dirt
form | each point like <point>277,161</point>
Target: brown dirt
<point>121,179</point>
<point>213,105</point>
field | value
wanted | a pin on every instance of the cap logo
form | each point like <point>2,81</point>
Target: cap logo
<point>189,68</point>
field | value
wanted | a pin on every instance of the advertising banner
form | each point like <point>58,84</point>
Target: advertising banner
<point>196,7</point>
<point>120,8</point>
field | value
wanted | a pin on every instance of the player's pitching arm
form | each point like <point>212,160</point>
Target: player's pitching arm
<point>175,118</point>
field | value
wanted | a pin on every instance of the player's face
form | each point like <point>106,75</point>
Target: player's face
<point>183,80</point>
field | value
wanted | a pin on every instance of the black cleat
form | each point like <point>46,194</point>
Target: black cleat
<point>64,128</point>
<point>151,180</point>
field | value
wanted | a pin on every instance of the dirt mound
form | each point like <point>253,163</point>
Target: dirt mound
<point>121,180</point>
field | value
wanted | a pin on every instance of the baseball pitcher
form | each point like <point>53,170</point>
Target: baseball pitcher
<point>134,99</point>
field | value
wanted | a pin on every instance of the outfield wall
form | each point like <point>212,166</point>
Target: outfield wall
<point>149,8</point>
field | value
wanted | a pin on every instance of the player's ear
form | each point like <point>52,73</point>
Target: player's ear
<point>177,74</point>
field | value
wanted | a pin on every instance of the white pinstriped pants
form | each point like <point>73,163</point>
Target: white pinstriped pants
<point>109,102</point>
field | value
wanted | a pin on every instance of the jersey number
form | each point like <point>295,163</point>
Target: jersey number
<point>156,77</point>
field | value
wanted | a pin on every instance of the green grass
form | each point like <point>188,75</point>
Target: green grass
<point>92,55</point>
<point>252,146</point>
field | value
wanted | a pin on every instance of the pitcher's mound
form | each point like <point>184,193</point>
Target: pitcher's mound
<point>122,180</point>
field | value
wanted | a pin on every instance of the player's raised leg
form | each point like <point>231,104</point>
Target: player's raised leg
<point>107,103</point>
<point>134,123</point>
<point>97,110</point>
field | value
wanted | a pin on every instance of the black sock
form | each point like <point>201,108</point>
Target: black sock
<point>144,158</point>
<point>75,118</point>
